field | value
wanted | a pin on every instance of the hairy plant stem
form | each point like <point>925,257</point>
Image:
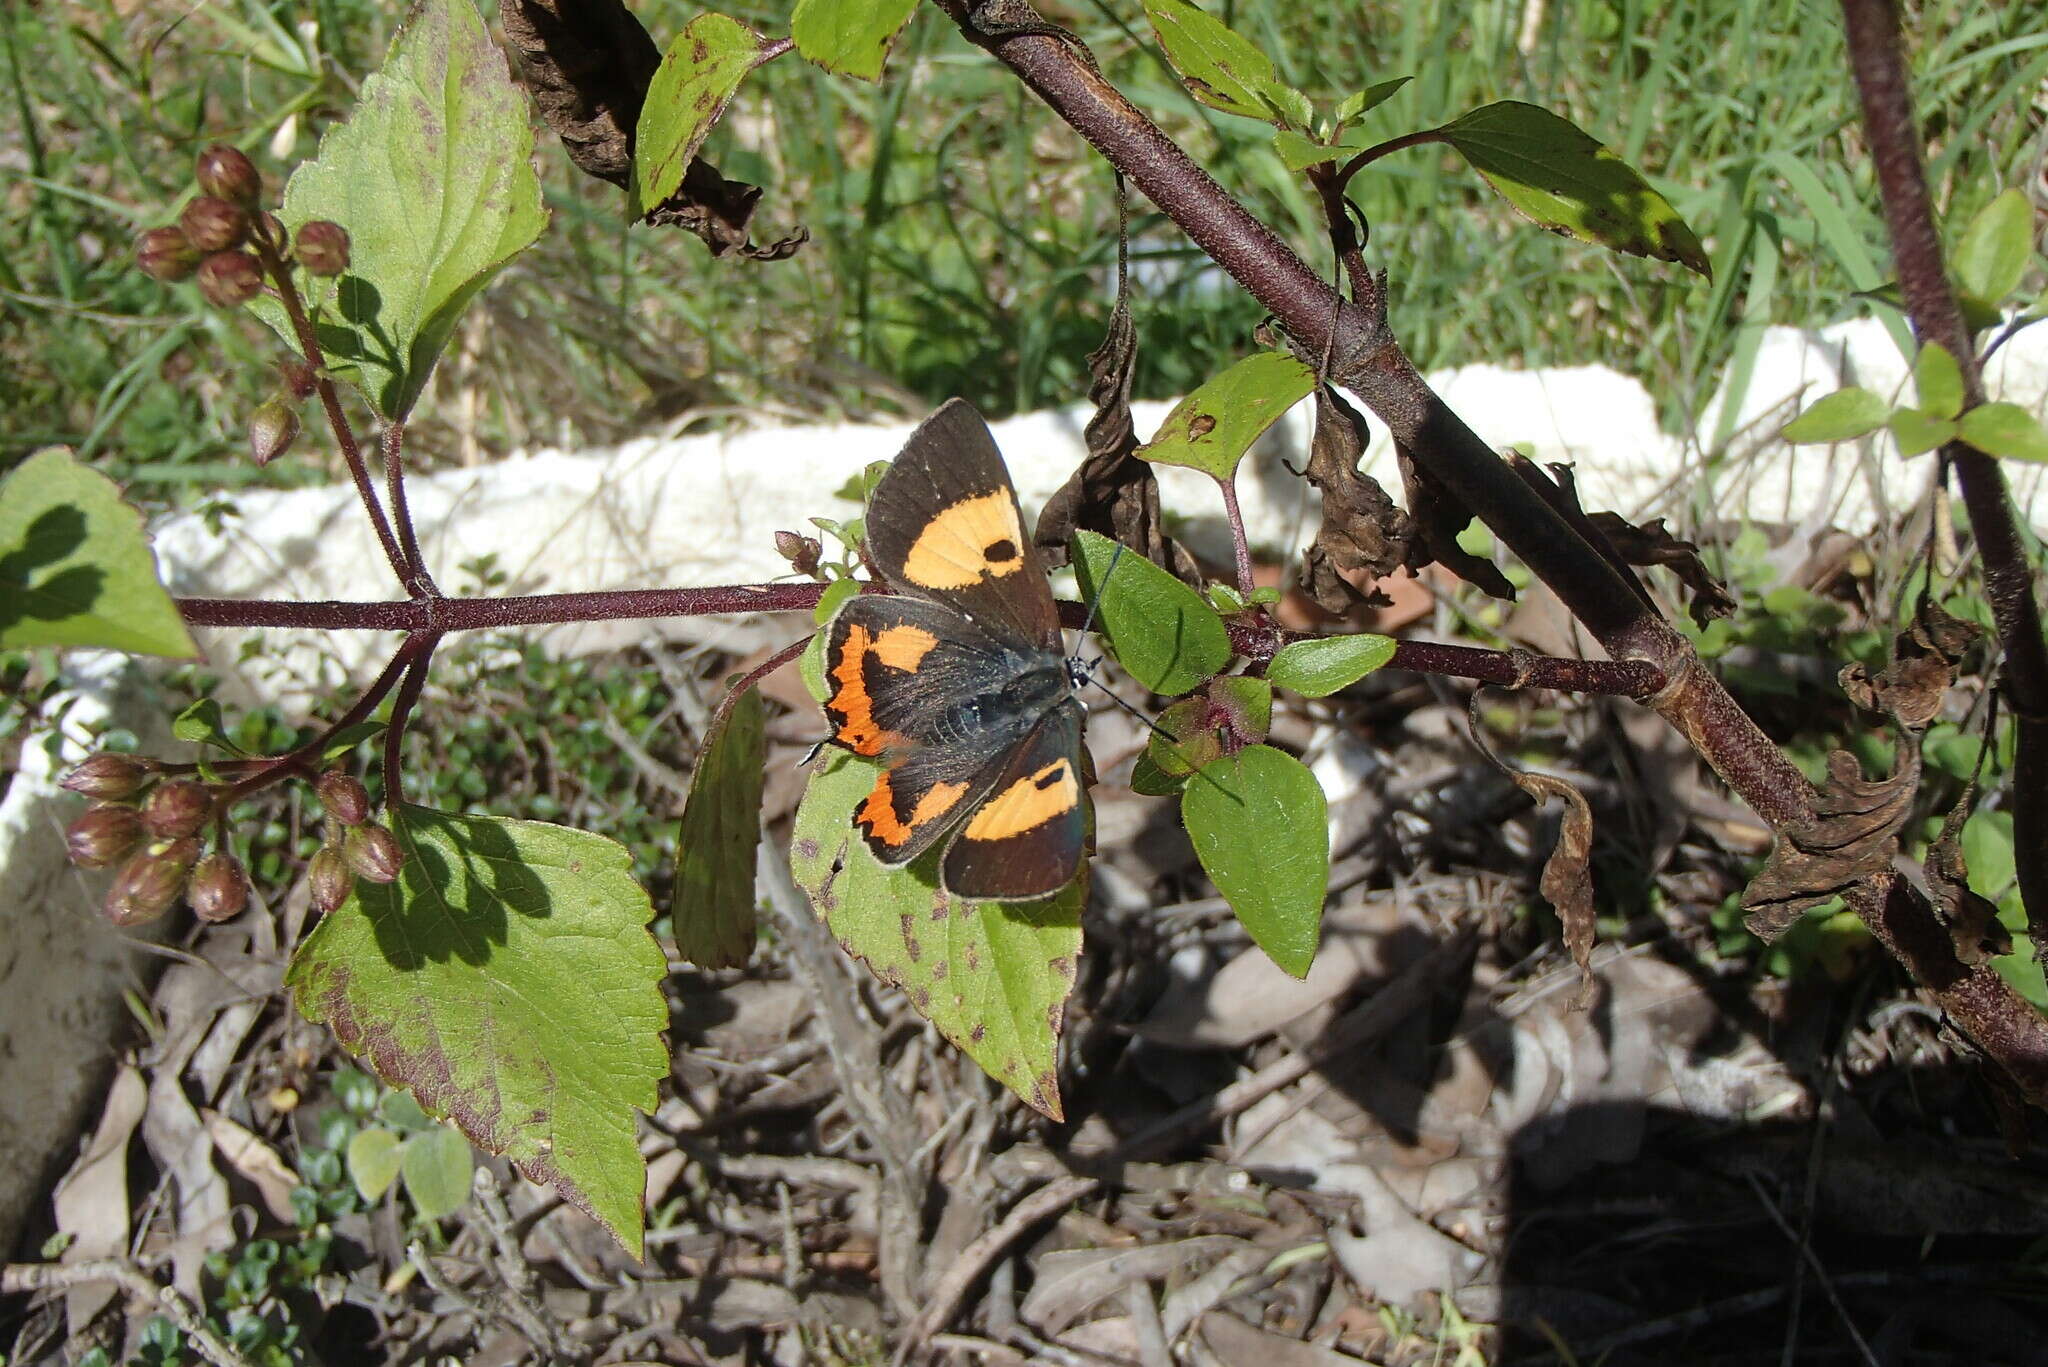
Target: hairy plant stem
<point>1878,59</point>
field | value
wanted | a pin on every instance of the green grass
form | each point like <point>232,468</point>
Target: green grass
<point>962,239</point>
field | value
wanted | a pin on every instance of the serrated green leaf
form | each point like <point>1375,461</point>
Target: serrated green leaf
<point>1212,428</point>
<point>850,37</point>
<point>507,980</point>
<point>76,568</point>
<point>696,80</point>
<point>1148,779</point>
<point>373,1157</point>
<point>437,1166</point>
<point>1938,380</point>
<point>712,912</point>
<point>1219,66</point>
<point>2005,430</point>
<point>1996,246</point>
<point>1316,669</point>
<point>431,175</point>
<point>1182,740</point>
<point>992,976</point>
<point>1260,826</point>
<point>1159,628</point>
<point>1843,415</point>
<point>1916,433</point>
<point>1298,153</point>
<point>1563,179</point>
<point>1362,102</point>
<point>1287,104</point>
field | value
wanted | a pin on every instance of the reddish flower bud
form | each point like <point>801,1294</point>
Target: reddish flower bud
<point>269,228</point>
<point>322,247</point>
<point>230,279</point>
<point>219,889</point>
<point>102,836</point>
<point>165,254</point>
<point>176,809</point>
<point>802,552</point>
<point>225,173</point>
<point>373,853</point>
<point>149,883</point>
<point>343,796</point>
<point>213,225</point>
<point>108,777</point>
<point>328,878</point>
<point>299,379</point>
<point>273,427</point>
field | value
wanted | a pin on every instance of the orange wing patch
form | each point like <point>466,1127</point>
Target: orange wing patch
<point>977,538</point>
<point>1028,803</point>
<point>849,704</point>
<point>878,813</point>
<point>904,647</point>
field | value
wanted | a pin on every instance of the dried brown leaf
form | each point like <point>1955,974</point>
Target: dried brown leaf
<point>1654,544</point>
<point>1363,532</point>
<point>1970,917</point>
<point>1567,880</point>
<point>1923,667</point>
<point>1853,835</point>
<point>1438,515</point>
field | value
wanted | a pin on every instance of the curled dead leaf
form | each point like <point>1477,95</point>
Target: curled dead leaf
<point>1853,836</point>
<point>1439,516</point>
<point>1970,917</point>
<point>1567,881</point>
<point>1362,532</point>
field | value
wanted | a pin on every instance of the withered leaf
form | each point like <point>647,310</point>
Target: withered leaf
<point>588,64</point>
<point>1852,836</point>
<point>1567,881</point>
<point>1654,544</point>
<point>1971,918</point>
<point>1923,666</point>
<point>1362,529</point>
<point>1113,492</point>
<point>1438,515</point>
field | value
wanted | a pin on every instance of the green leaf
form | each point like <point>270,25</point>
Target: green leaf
<point>992,976</point>
<point>1219,66</point>
<point>201,724</point>
<point>1298,153</point>
<point>850,37</point>
<point>1996,246</point>
<point>1562,178</point>
<point>1149,779</point>
<point>348,738</point>
<point>1938,380</point>
<point>1212,428</point>
<point>810,666</point>
<point>431,174</point>
<point>75,565</point>
<point>1159,628</point>
<point>1372,97</point>
<point>1316,669</point>
<point>1288,104</point>
<point>373,1157</point>
<point>836,593</point>
<point>712,912</point>
<point>1915,432</point>
<point>437,1167</point>
<point>1843,415</point>
<point>508,981</point>
<point>690,90</point>
<point>1260,826</point>
<point>2005,430</point>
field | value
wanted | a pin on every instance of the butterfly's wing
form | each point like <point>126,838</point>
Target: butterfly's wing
<point>898,668</point>
<point>944,523</point>
<point>1025,837</point>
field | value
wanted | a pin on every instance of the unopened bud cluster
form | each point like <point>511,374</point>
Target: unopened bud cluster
<point>355,846</point>
<point>227,243</point>
<point>149,825</point>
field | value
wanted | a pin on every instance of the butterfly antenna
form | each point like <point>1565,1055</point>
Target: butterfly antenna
<point>1095,599</point>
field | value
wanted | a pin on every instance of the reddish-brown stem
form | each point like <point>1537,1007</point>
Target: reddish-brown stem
<point>330,400</point>
<point>1381,149</point>
<point>301,760</point>
<point>1240,548</point>
<point>422,647</point>
<point>752,677</point>
<point>419,582</point>
<point>1877,56</point>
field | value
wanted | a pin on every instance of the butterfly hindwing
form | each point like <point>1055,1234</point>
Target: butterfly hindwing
<point>944,523</point>
<point>1025,838</point>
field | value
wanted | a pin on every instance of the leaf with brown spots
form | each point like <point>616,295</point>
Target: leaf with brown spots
<point>587,64</point>
<point>992,976</point>
<point>1853,836</point>
<point>1363,533</point>
<point>697,78</point>
<point>507,980</point>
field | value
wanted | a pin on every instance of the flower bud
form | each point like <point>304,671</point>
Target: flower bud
<point>230,279</point>
<point>343,796</point>
<point>165,254</point>
<point>273,427</point>
<point>268,228</point>
<point>299,379</point>
<point>802,552</point>
<point>176,809</point>
<point>149,883</point>
<point>102,835</point>
<point>213,225</point>
<point>322,247</point>
<point>328,879</point>
<point>225,173</point>
<point>107,777</point>
<point>373,852</point>
<point>219,889</point>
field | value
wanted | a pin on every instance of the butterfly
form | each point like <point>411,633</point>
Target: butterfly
<point>958,682</point>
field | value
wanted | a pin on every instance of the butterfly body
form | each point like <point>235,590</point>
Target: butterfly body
<point>957,682</point>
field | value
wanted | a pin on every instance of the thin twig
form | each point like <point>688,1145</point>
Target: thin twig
<point>19,1279</point>
<point>409,690</point>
